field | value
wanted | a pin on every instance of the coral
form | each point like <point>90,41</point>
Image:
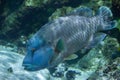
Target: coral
<point>111,44</point>
<point>60,70</point>
<point>20,20</point>
<point>36,3</point>
<point>95,4</point>
<point>111,71</point>
<point>60,12</point>
<point>70,75</point>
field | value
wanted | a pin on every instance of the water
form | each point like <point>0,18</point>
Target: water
<point>21,19</point>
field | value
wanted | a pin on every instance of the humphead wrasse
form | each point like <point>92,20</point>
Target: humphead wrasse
<point>59,39</point>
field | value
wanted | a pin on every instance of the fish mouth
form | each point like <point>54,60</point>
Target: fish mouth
<point>30,67</point>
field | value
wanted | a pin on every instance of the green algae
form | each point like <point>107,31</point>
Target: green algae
<point>60,12</point>
<point>36,3</point>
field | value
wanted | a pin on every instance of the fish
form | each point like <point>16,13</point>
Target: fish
<point>59,39</point>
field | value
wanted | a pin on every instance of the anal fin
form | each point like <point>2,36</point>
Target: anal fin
<point>96,39</point>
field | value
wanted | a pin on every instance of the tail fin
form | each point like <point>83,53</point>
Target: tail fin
<point>106,13</point>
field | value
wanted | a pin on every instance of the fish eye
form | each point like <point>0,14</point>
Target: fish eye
<point>33,50</point>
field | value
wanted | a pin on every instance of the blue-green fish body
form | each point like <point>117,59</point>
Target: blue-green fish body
<point>62,37</point>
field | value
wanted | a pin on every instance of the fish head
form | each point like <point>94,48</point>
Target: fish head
<point>38,54</point>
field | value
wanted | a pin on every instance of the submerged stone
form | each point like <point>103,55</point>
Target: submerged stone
<point>11,69</point>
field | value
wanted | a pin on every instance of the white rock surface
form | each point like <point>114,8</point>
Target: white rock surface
<point>9,59</point>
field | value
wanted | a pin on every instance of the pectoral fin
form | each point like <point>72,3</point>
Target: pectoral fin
<point>71,57</point>
<point>59,46</point>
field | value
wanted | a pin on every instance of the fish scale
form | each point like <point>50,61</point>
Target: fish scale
<point>70,30</point>
<point>78,37</point>
<point>73,35</point>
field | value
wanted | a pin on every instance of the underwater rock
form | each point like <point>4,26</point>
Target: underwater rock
<point>60,12</point>
<point>18,17</point>
<point>108,72</point>
<point>60,70</point>
<point>116,75</point>
<point>11,67</point>
<point>94,4</point>
<point>116,8</point>
<point>114,33</point>
<point>70,75</point>
<point>36,3</point>
<point>112,45</point>
<point>105,65</point>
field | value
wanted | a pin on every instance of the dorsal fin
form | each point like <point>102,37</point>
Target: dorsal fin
<point>82,11</point>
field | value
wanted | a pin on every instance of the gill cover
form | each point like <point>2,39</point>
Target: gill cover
<point>38,54</point>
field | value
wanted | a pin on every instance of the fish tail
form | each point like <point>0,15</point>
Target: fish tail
<point>106,13</point>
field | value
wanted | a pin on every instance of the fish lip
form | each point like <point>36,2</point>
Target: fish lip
<point>30,67</point>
